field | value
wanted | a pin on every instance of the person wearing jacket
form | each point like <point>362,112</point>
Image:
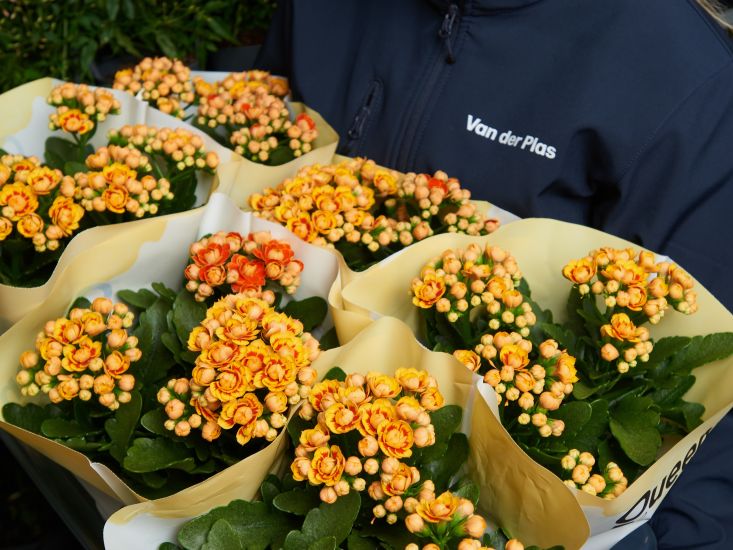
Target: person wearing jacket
<point>616,115</point>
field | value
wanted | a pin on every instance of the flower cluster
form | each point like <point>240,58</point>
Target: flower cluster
<point>536,390</point>
<point>35,203</point>
<point>79,108</point>
<point>115,184</point>
<point>253,364</point>
<point>254,120</point>
<point>578,467</point>
<point>181,148</point>
<point>235,84</point>
<point>443,519</point>
<point>459,281</point>
<point>163,82</point>
<point>86,353</point>
<point>635,289</point>
<point>230,262</point>
<point>633,281</point>
<point>389,415</point>
<point>356,202</point>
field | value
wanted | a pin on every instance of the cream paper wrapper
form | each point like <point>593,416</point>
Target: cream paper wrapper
<point>544,513</point>
<point>25,113</point>
<point>151,250</point>
<point>384,346</point>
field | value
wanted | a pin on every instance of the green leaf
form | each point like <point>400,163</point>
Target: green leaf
<point>634,423</point>
<point>62,428</point>
<point>587,438</point>
<point>665,348</point>
<point>575,415</point>
<point>446,421</point>
<point>703,350</point>
<point>270,488</point>
<point>686,413</point>
<point>575,323</point>
<point>29,417</point>
<point>172,343</point>
<point>142,299</point>
<point>582,390</point>
<point>295,426</point>
<point>151,455</point>
<point>153,422</point>
<point>328,520</point>
<point>73,167</point>
<point>219,29</point>
<point>81,303</point>
<point>442,469</point>
<point>168,546</point>
<point>254,522</point>
<point>121,427</point>
<point>187,314</point>
<point>166,44</point>
<point>329,340</point>
<point>326,543</point>
<point>469,490</point>
<point>310,311</point>
<point>113,7</point>
<point>59,151</point>
<point>223,537</point>
<point>298,501</point>
<point>335,373</point>
<point>671,390</point>
<point>156,359</point>
<point>358,542</point>
<point>165,292</point>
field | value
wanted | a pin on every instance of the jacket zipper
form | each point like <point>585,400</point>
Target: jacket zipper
<point>447,34</point>
<point>359,125</point>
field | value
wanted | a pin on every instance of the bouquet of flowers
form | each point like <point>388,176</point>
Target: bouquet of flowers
<point>165,386</point>
<point>594,388</point>
<point>368,213</point>
<point>245,111</point>
<point>227,372</point>
<point>93,170</point>
<point>368,464</point>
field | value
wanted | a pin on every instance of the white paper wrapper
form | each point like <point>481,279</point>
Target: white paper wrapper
<point>24,131</point>
<point>384,347</point>
<point>154,250</point>
<point>526,498</point>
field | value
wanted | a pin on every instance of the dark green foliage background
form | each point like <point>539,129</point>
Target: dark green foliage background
<point>63,39</point>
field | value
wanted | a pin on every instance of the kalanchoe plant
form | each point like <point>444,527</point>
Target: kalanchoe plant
<point>143,171</point>
<point>79,110</point>
<point>38,215</point>
<point>591,397</point>
<point>370,468</point>
<point>163,82</point>
<point>366,212</point>
<point>167,390</point>
<point>249,117</point>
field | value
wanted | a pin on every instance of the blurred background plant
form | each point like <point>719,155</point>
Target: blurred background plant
<point>87,40</point>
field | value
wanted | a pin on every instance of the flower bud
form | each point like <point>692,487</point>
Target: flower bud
<point>414,523</point>
<point>328,495</point>
<point>475,526</point>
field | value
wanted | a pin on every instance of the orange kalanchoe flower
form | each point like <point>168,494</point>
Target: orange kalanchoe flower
<point>386,412</point>
<point>243,379</point>
<point>84,354</point>
<point>226,262</point>
<point>79,108</point>
<point>26,189</point>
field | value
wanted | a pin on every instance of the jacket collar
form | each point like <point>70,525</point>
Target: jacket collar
<point>483,6</point>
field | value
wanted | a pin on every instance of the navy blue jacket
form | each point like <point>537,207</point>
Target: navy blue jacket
<point>614,114</point>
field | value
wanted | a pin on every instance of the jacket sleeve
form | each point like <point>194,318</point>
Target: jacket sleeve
<point>275,53</point>
<point>676,197</point>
